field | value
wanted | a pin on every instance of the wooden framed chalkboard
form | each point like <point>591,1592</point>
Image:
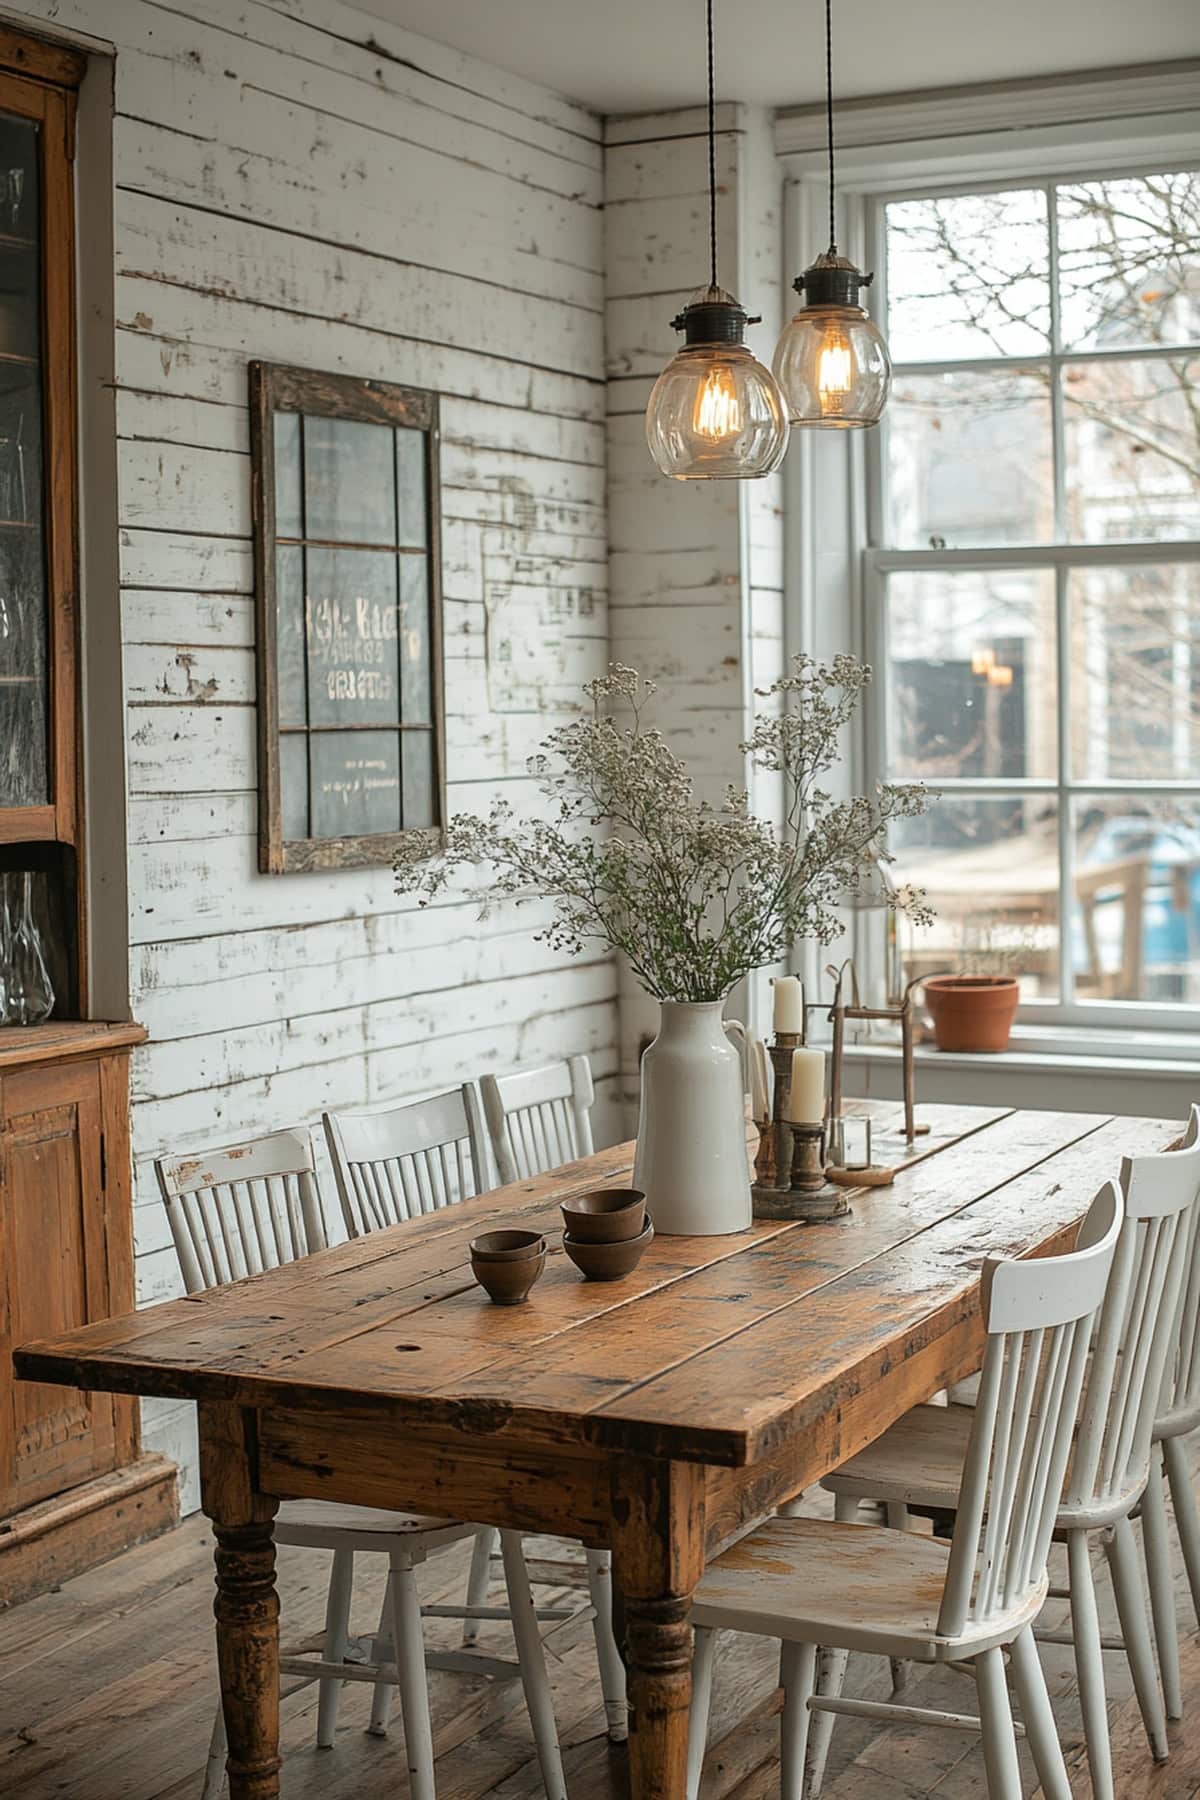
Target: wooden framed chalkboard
<point>351,734</point>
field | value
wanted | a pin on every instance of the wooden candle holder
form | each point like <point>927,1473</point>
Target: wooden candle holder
<point>789,1172</point>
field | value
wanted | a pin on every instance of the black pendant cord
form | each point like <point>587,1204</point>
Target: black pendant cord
<point>829,114</point>
<point>712,317</point>
<point>712,156</point>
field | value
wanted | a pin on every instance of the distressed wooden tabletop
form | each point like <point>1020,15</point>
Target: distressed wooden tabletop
<point>715,1350</point>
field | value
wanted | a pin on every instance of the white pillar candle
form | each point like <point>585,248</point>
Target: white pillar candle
<point>758,1080</point>
<point>806,1101</point>
<point>788,1014</point>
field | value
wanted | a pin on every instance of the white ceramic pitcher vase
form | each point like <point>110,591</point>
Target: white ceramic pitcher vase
<point>691,1147</point>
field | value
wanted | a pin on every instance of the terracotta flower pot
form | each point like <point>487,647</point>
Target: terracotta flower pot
<point>972,1012</point>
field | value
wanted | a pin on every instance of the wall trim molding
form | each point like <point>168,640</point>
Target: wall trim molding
<point>1087,97</point>
<point>626,130</point>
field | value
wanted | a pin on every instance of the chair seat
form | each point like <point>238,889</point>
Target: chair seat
<point>328,1525</point>
<point>918,1460</point>
<point>850,1587</point>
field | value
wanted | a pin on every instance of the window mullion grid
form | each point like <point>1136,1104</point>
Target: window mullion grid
<point>1097,554</point>
<point>1066,838</point>
<point>999,364</point>
<point>875,732</point>
<point>1057,436</point>
<point>877,441</point>
<point>1062,622</point>
<point>873,586</point>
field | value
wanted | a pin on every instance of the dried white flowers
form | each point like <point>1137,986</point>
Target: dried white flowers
<point>694,896</point>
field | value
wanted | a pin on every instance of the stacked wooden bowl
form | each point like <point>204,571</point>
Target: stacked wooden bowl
<point>607,1232</point>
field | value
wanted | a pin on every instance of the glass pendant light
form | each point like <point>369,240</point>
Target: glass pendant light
<point>831,361</point>
<point>716,412</point>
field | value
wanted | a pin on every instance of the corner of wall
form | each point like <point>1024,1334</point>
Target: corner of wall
<point>696,570</point>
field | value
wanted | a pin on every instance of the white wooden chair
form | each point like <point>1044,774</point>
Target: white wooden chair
<point>811,1582</point>
<point>539,1118</point>
<point>393,1166</point>
<point>416,1158</point>
<point>919,1461</point>
<point>255,1206</point>
<point>239,1211</point>
<point>1178,1414</point>
<point>396,1165</point>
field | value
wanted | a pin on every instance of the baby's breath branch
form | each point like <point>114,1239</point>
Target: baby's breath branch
<point>695,896</point>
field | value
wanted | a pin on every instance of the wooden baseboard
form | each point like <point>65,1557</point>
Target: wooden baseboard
<point>48,1543</point>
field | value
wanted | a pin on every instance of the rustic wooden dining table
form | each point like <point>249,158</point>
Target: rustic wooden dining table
<point>660,1414</point>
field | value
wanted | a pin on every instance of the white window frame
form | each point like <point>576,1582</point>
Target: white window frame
<point>831,542</point>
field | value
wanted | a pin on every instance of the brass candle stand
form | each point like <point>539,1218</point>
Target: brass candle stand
<point>789,1170</point>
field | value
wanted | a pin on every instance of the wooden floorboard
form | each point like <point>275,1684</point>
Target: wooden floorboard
<point>107,1691</point>
<point>1141,1779</point>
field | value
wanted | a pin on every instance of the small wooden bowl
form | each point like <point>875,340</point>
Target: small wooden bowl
<point>507,1263</point>
<point>605,1216</point>
<point>507,1246</point>
<point>608,1262</point>
<point>507,1282</point>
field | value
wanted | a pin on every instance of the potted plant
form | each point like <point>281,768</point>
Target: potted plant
<point>694,896</point>
<point>975,1008</point>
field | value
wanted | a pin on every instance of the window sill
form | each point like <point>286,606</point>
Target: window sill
<point>1103,1053</point>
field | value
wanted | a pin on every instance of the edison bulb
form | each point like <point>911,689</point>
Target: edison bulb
<point>835,371</point>
<point>718,409</point>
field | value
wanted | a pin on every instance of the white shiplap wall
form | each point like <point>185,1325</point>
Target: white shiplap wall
<point>296,182</point>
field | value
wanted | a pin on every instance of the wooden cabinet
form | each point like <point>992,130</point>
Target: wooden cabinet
<point>61,1257</point>
<point>73,1487</point>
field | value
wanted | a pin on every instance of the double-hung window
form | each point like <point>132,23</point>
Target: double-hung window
<point>1032,581</point>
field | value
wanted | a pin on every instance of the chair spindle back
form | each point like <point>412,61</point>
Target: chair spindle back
<point>539,1118</point>
<point>1179,1409</point>
<point>1038,1315</point>
<point>1138,1332</point>
<point>395,1165</point>
<point>238,1211</point>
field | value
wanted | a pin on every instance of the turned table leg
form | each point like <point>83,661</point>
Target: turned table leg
<point>246,1605</point>
<point>658,1557</point>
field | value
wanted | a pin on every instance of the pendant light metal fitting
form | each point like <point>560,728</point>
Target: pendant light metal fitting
<point>832,280</point>
<point>713,316</point>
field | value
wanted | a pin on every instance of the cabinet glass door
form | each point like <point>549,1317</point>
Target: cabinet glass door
<point>24,660</point>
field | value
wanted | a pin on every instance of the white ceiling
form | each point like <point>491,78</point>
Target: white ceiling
<point>640,55</point>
